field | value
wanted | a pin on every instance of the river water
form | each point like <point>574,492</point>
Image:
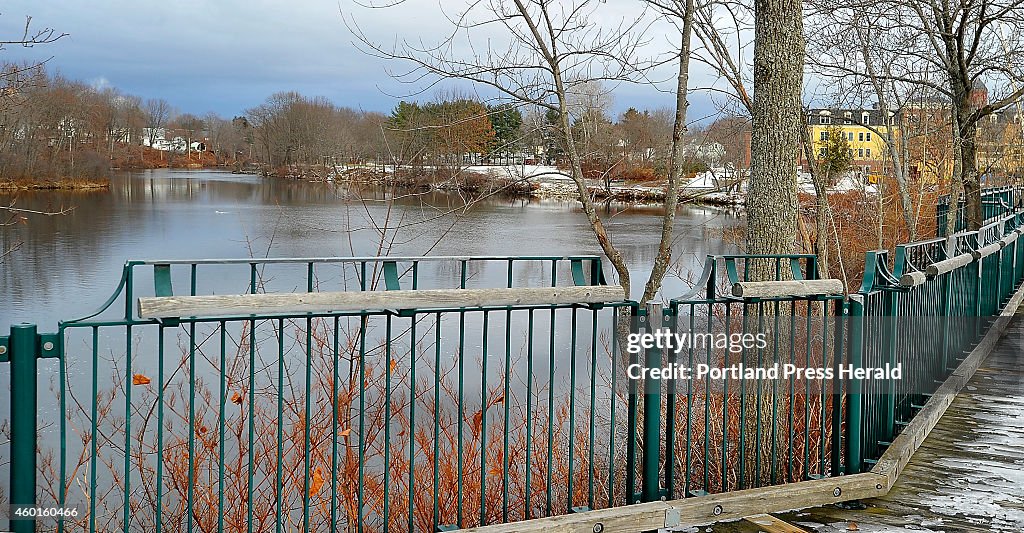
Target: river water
<point>66,266</point>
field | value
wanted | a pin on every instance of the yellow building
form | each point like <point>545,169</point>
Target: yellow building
<point>865,131</point>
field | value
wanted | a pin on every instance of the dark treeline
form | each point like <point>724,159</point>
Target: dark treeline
<point>54,128</point>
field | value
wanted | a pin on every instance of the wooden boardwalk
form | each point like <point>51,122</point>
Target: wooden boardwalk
<point>968,474</point>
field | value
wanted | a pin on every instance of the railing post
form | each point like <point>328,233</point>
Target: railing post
<point>854,406</point>
<point>24,360</point>
<point>889,403</point>
<point>650,484</point>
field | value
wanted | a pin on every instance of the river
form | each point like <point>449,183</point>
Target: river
<point>67,265</point>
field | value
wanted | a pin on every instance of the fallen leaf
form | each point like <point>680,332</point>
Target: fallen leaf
<point>317,482</point>
<point>477,422</point>
<point>236,399</point>
<point>852,527</point>
<point>140,379</point>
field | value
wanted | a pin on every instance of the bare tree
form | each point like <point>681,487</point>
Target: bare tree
<point>970,52</point>
<point>158,114</point>
<point>552,51</point>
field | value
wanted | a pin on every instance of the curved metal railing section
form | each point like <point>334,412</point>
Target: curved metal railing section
<point>916,257</point>
<point>389,409</point>
<point>927,314</point>
<point>997,202</point>
<point>262,275</point>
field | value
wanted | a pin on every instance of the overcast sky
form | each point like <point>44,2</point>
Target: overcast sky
<point>229,55</point>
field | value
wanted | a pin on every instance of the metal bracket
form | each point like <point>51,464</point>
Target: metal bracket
<point>673,518</point>
<point>50,346</point>
<point>391,281</point>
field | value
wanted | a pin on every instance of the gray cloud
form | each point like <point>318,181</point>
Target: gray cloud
<point>228,55</point>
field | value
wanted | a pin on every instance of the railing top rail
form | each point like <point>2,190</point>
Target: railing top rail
<point>354,259</point>
<point>385,276</point>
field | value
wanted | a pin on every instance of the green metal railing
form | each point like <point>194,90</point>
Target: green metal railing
<point>996,203</point>
<point>740,435</point>
<point>436,419</point>
<point>929,326</point>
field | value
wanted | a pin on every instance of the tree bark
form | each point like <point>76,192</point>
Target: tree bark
<point>771,201</point>
<point>675,174</point>
<point>970,176</point>
<point>776,131</point>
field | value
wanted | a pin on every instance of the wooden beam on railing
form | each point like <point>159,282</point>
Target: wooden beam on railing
<point>327,302</point>
<point>986,251</point>
<point>792,288</point>
<point>913,279</point>
<point>708,509</point>
<point>948,265</point>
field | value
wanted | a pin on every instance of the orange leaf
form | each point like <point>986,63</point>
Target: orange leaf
<point>236,399</point>
<point>853,527</point>
<point>477,422</point>
<point>140,379</point>
<point>497,400</point>
<point>393,365</point>
<point>317,482</point>
<point>345,432</point>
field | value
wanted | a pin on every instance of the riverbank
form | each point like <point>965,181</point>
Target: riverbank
<point>529,182</point>
<point>65,184</point>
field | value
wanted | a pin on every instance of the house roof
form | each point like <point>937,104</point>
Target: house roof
<point>855,115</point>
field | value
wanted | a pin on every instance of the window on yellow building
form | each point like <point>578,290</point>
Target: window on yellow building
<point>860,152</point>
<point>823,136</point>
<point>860,136</point>
<point>867,152</point>
<point>868,136</point>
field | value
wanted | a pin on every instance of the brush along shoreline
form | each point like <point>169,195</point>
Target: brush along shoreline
<point>529,182</point>
<point>54,185</point>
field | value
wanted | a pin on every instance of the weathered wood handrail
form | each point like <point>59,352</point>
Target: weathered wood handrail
<point>790,288</point>
<point>986,251</point>
<point>948,265</point>
<point>325,302</point>
<point>913,279</point>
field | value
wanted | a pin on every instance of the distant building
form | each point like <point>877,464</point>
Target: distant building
<point>708,152</point>
<point>865,130</point>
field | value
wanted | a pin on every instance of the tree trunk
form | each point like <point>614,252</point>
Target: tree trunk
<point>675,173</point>
<point>776,131</point>
<point>970,176</point>
<point>771,201</point>
<point>576,173</point>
